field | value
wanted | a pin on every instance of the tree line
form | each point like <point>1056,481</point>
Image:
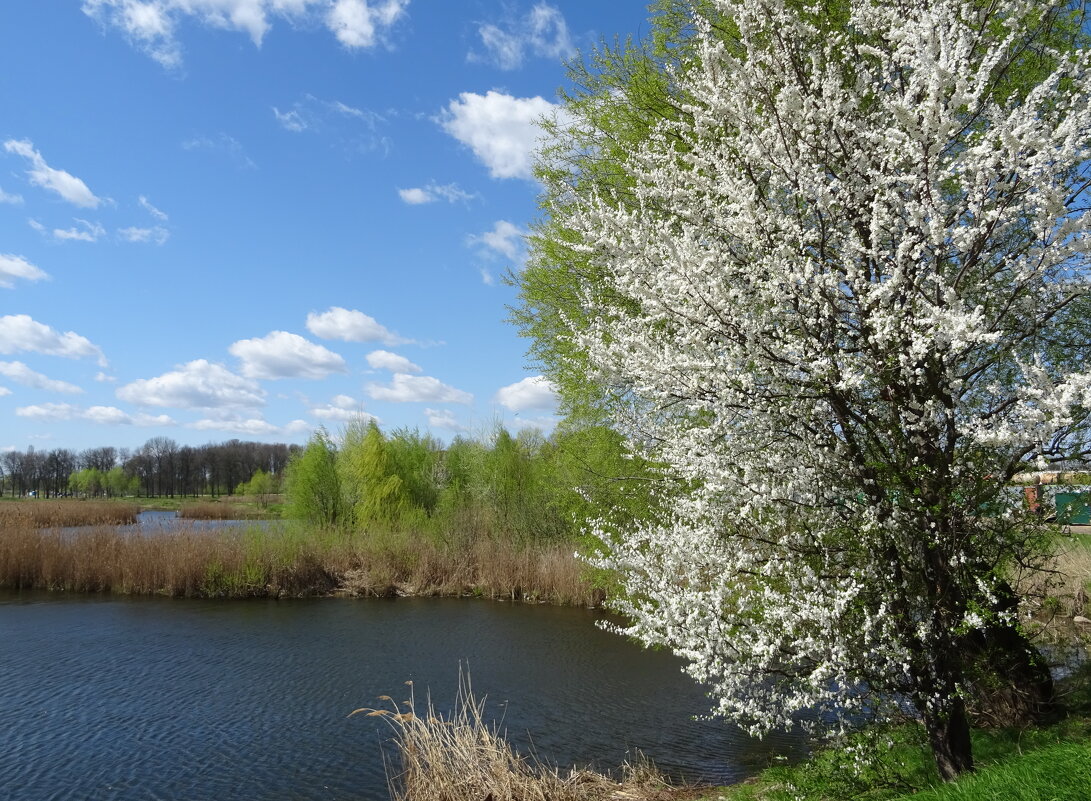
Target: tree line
<point>160,467</point>
<point>521,487</point>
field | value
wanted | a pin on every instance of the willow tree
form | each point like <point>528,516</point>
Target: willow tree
<point>844,292</point>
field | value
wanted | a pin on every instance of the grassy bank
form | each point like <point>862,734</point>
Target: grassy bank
<point>286,561</point>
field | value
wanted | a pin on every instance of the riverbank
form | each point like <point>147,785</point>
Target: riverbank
<point>289,561</point>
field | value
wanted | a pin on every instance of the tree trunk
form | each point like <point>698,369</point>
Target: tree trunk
<point>949,735</point>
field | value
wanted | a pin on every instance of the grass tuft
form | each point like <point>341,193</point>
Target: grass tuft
<point>462,757</point>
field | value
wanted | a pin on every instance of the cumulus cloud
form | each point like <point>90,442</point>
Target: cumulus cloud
<point>251,426</point>
<point>4,391</point>
<point>156,235</point>
<point>443,418</point>
<point>13,267</point>
<point>542,32</point>
<point>41,174</point>
<point>535,392</point>
<point>103,415</point>
<point>360,23</point>
<point>505,238</point>
<point>385,360</point>
<point>19,332</point>
<point>152,25</point>
<point>351,325</point>
<point>342,409</point>
<point>500,129</point>
<point>14,200</point>
<point>280,354</point>
<point>405,388</point>
<point>21,374</point>
<point>433,192</point>
<point>199,384</point>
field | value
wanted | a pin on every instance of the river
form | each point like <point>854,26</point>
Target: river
<point>122,699</point>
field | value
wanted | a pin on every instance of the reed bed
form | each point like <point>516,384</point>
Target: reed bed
<point>285,561</point>
<point>219,510</point>
<point>462,757</point>
<point>66,513</point>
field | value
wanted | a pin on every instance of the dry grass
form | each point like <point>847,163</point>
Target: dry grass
<point>284,561</point>
<point>461,757</point>
<point>219,510</point>
<point>63,513</point>
<point>1061,588</point>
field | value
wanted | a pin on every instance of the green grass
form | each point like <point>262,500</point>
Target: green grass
<point>1056,773</point>
<point>1046,764</point>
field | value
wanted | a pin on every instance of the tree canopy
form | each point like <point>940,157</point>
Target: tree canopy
<point>827,263</point>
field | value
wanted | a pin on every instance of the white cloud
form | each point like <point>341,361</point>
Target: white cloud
<point>342,409</point>
<point>433,192</point>
<point>405,388</point>
<point>500,129</point>
<point>360,23</point>
<point>535,392</point>
<point>152,25</point>
<point>4,391</point>
<point>157,235</point>
<point>19,332</point>
<point>21,374</point>
<point>14,200</point>
<point>222,143</point>
<point>152,210</point>
<point>196,385</point>
<point>443,418</point>
<point>416,196</point>
<point>486,277</point>
<point>13,267</point>
<point>103,378</point>
<point>350,325</point>
<point>41,174</point>
<point>251,427</point>
<point>385,360</point>
<point>543,32</point>
<point>505,238</point>
<point>88,232</point>
<point>103,415</point>
<point>280,354</point>
<point>290,120</point>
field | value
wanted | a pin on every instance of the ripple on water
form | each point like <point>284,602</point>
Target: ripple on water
<point>170,699</point>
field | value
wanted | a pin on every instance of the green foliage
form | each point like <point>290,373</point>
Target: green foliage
<point>372,489</point>
<point>313,485</point>
<point>522,488</point>
<point>261,485</point>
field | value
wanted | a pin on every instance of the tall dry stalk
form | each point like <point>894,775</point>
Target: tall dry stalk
<point>462,757</point>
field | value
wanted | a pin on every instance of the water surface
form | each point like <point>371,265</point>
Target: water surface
<point>118,698</point>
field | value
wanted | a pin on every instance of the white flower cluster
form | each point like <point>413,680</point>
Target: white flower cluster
<point>843,269</point>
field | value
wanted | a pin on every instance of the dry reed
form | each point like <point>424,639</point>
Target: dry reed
<point>461,757</point>
<point>219,510</point>
<point>65,513</point>
<point>284,561</point>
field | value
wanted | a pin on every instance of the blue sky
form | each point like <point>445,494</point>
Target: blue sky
<point>249,218</point>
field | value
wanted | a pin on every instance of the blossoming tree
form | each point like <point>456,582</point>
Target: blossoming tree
<point>845,289</point>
